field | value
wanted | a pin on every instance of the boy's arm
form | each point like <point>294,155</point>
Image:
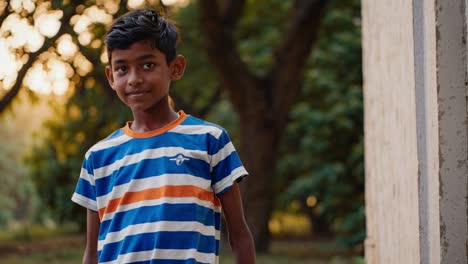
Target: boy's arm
<point>92,232</point>
<point>240,237</point>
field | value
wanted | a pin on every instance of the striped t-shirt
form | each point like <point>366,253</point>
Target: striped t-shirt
<point>157,192</point>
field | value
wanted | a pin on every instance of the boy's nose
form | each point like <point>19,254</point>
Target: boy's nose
<point>134,78</point>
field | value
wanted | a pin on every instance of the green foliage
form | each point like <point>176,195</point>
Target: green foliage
<point>9,173</point>
<point>199,89</point>
<point>323,151</point>
<point>88,117</point>
<point>199,92</point>
<point>17,193</point>
<point>260,30</point>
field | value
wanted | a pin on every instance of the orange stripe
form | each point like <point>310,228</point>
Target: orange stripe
<point>129,132</point>
<point>157,193</point>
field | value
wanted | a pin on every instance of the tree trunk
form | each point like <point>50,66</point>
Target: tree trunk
<point>262,102</point>
<point>259,147</point>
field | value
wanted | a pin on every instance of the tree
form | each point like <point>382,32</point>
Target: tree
<point>326,130</point>
<point>262,101</point>
<point>28,14</point>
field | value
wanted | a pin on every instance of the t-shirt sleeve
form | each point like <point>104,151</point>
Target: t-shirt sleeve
<point>85,192</point>
<point>226,166</point>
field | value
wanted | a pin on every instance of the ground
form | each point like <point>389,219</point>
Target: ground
<point>68,250</point>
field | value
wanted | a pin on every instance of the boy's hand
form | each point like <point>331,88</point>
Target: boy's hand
<point>240,237</point>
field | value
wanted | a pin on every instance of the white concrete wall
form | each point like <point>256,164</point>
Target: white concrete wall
<point>416,130</point>
<point>390,132</point>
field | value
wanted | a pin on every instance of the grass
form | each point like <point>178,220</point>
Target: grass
<point>69,249</point>
<point>40,244</point>
<point>57,256</point>
<point>73,256</point>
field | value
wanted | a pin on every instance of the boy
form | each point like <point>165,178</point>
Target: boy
<point>154,189</point>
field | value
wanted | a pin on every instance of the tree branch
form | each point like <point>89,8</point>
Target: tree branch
<point>94,56</point>
<point>13,92</point>
<point>181,103</point>
<point>292,54</point>
<point>122,8</point>
<point>215,98</point>
<point>5,12</point>
<point>222,50</point>
<point>231,13</point>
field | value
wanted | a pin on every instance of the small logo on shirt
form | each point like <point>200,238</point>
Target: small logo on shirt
<point>180,159</point>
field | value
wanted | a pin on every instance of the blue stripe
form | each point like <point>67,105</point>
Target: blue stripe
<point>188,141</point>
<point>169,261</point>
<point>85,189</point>
<point>191,120</point>
<point>225,167</point>
<point>149,168</point>
<point>163,212</point>
<point>109,155</point>
<point>160,240</point>
<point>86,165</point>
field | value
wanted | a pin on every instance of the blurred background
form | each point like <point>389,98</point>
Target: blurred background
<point>283,77</point>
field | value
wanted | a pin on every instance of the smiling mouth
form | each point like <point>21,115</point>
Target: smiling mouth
<point>135,93</point>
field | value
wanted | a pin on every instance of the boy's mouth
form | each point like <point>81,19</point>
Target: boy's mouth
<point>136,93</point>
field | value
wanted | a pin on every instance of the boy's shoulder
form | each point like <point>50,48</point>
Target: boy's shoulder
<point>192,120</point>
<point>115,138</point>
<point>197,125</point>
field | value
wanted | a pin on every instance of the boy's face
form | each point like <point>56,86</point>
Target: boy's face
<point>141,76</point>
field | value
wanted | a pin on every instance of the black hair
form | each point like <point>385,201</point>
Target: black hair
<point>143,25</point>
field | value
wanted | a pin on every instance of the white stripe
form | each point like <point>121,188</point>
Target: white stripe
<point>108,143</point>
<point>197,130</point>
<point>86,176</point>
<point>228,181</point>
<point>222,154</point>
<point>136,185</point>
<point>162,226</point>
<point>169,200</point>
<point>165,254</point>
<point>83,201</point>
<point>149,154</point>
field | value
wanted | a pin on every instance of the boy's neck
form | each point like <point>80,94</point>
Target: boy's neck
<point>153,118</point>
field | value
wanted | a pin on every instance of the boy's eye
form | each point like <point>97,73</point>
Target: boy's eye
<point>148,66</point>
<point>121,69</point>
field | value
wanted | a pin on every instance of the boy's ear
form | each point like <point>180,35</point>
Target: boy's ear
<point>109,76</point>
<point>177,67</point>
